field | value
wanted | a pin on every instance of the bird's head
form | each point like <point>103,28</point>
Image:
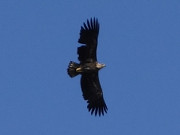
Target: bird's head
<point>99,65</point>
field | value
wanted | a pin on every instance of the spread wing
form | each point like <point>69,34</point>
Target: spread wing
<point>92,92</point>
<point>88,36</point>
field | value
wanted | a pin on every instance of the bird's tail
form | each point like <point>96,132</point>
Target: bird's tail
<point>72,69</point>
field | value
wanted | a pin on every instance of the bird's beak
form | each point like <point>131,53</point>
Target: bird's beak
<point>100,65</point>
<point>103,65</point>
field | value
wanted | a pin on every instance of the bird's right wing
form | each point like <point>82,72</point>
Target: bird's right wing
<point>92,92</point>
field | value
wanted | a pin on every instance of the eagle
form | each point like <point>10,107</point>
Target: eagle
<point>88,68</point>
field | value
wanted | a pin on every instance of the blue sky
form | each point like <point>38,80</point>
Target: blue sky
<point>139,43</point>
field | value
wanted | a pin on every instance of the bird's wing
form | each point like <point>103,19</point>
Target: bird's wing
<point>88,36</point>
<point>92,92</point>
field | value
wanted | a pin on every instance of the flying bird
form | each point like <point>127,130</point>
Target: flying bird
<point>88,68</point>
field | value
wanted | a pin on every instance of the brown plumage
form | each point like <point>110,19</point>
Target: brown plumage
<point>89,67</point>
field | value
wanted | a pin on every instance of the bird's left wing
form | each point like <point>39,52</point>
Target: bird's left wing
<point>88,36</point>
<point>92,92</point>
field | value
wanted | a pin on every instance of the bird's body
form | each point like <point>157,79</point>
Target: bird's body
<point>89,67</point>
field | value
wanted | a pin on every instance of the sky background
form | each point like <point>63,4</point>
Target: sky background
<point>139,43</point>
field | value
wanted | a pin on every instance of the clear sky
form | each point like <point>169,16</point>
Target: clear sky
<point>139,43</point>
